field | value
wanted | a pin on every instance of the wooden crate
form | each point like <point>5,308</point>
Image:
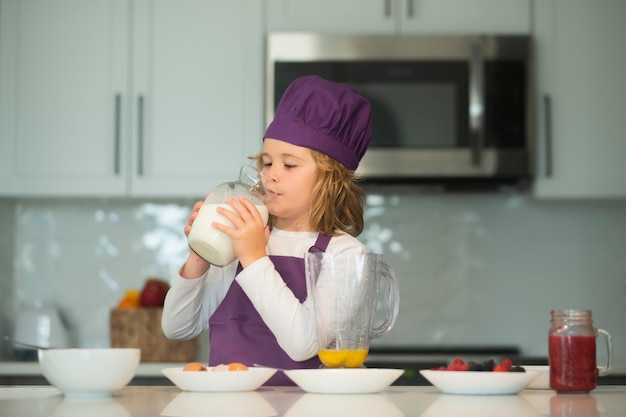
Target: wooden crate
<point>141,328</point>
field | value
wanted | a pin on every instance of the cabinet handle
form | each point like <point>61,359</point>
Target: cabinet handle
<point>547,109</point>
<point>387,8</point>
<point>117,134</point>
<point>476,104</point>
<point>140,108</point>
<point>410,8</point>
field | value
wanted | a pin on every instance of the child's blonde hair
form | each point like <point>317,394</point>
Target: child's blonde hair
<point>337,198</point>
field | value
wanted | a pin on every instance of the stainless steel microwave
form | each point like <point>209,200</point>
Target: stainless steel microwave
<point>444,108</point>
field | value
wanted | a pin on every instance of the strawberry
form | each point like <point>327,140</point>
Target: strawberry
<point>458,364</point>
<point>504,366</point>
<point>463,367</point>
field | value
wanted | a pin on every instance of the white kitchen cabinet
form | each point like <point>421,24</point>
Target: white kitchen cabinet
<point>399,16</point>
<point>581,99</point>
<point>129,98</point>
<point>464,16</point>
<point>198,70</point>
<point>63,83</point>
<point>346,16</point>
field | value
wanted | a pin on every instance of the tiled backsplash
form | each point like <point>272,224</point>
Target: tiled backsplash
<point>81,255</point>
<point>473,269</point>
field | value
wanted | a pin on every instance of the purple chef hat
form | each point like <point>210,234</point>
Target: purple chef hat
<point>326,116</point>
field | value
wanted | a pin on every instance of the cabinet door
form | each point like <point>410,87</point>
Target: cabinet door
<point>63,78</point>
<point>345,16</point>
<point>197,99</point>
<point>400,16</point>
<point>581,98</point>
<point>464,16</point>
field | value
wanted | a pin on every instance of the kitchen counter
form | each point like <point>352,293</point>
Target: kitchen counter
<point>408,401</point>
<point>17,368</point>
<point>149,373</point>
<point>29,373</point>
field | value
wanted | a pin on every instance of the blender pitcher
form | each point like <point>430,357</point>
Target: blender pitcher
<point>345,290</point>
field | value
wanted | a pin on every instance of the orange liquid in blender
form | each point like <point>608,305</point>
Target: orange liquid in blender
<point>343,358</point>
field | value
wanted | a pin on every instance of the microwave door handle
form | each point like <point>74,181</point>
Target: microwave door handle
<point>476,103</point>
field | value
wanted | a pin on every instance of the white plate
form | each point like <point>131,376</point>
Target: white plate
<point>218,381</point>
<point>344,380</point>
<point>479,383</point>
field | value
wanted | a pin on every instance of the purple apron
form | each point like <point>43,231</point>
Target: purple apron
<point>237,332</point>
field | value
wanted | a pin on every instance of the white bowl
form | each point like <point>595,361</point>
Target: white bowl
<point>86,373</point>
<point>543,379</point>
<point>478,382</point>
<point>219,381</point>
<point>344,380</point>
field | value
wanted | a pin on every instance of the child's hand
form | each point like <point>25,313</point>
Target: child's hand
<point>195,266</point>
<point>192,216</point>
<point>249,233</point>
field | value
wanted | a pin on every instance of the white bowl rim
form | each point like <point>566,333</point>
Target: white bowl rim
<point>480,382</point>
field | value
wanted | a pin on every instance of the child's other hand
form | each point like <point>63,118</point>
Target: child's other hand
<point>249,233</point>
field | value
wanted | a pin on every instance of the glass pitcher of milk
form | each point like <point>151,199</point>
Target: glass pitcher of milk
<point>211,244</point>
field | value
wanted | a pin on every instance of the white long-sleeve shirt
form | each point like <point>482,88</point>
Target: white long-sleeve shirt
<point>190,302</point>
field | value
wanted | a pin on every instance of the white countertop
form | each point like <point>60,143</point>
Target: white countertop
<point>137,401</point>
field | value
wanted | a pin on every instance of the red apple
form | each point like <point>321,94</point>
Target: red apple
<point>153,293</point>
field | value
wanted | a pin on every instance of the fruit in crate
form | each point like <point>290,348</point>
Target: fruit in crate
<point>153,293</point>
<point>130,300</point>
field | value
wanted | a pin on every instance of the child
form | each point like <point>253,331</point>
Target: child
<point>256,308</point>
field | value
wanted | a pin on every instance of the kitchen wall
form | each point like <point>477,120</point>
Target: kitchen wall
<point>474,269</point>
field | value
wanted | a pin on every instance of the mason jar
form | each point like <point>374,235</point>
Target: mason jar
<point>572,351</point>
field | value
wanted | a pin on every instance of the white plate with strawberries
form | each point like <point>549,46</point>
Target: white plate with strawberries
<point>457,378</point>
